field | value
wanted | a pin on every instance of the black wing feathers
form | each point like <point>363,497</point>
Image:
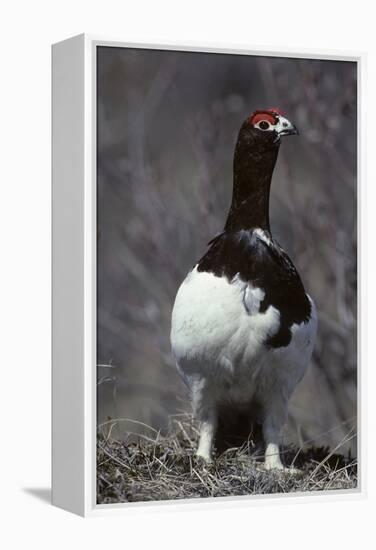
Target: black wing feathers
<point>265,265</point>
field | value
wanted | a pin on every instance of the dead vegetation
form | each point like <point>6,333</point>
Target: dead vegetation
<point>155,467</point>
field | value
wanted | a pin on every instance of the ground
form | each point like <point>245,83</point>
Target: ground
<point>165,468</point>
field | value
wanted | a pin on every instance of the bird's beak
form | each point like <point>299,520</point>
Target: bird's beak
<point>286,128</point>
<point>290,131</point>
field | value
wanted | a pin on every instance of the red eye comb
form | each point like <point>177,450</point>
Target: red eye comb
<point>270,115</point>
<point>263,115</point>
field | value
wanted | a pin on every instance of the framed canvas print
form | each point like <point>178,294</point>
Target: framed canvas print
<point>205,288</point>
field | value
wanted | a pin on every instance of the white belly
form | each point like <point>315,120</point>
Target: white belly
<point>218,336</point>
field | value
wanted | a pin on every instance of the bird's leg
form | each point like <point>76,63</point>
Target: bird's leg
<point>272,426</point>
<point>207,432</point>
<point>272,458</point>
<point>205,410</point>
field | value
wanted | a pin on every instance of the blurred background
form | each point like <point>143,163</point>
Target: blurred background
<point>167,127</point>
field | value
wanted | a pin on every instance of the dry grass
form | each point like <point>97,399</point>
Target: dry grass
<point>164,467</point>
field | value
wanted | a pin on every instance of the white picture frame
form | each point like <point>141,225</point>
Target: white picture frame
<point>74,276</point>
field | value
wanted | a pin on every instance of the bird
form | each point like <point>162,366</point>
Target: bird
<point>242,326</point>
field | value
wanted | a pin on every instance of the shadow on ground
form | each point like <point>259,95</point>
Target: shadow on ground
<point>41,493</point>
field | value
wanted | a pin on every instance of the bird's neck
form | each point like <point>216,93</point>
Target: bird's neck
<point>253,172</point>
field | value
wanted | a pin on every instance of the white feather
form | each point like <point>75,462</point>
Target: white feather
<point>218,335</point>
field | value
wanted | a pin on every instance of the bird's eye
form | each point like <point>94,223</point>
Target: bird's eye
<point>264,125</point>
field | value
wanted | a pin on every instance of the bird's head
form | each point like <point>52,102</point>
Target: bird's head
<point>264,129</point>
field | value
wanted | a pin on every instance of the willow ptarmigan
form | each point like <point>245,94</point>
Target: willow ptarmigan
<point>243,327</point>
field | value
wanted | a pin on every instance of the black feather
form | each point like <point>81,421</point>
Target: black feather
<point>264,266</point>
